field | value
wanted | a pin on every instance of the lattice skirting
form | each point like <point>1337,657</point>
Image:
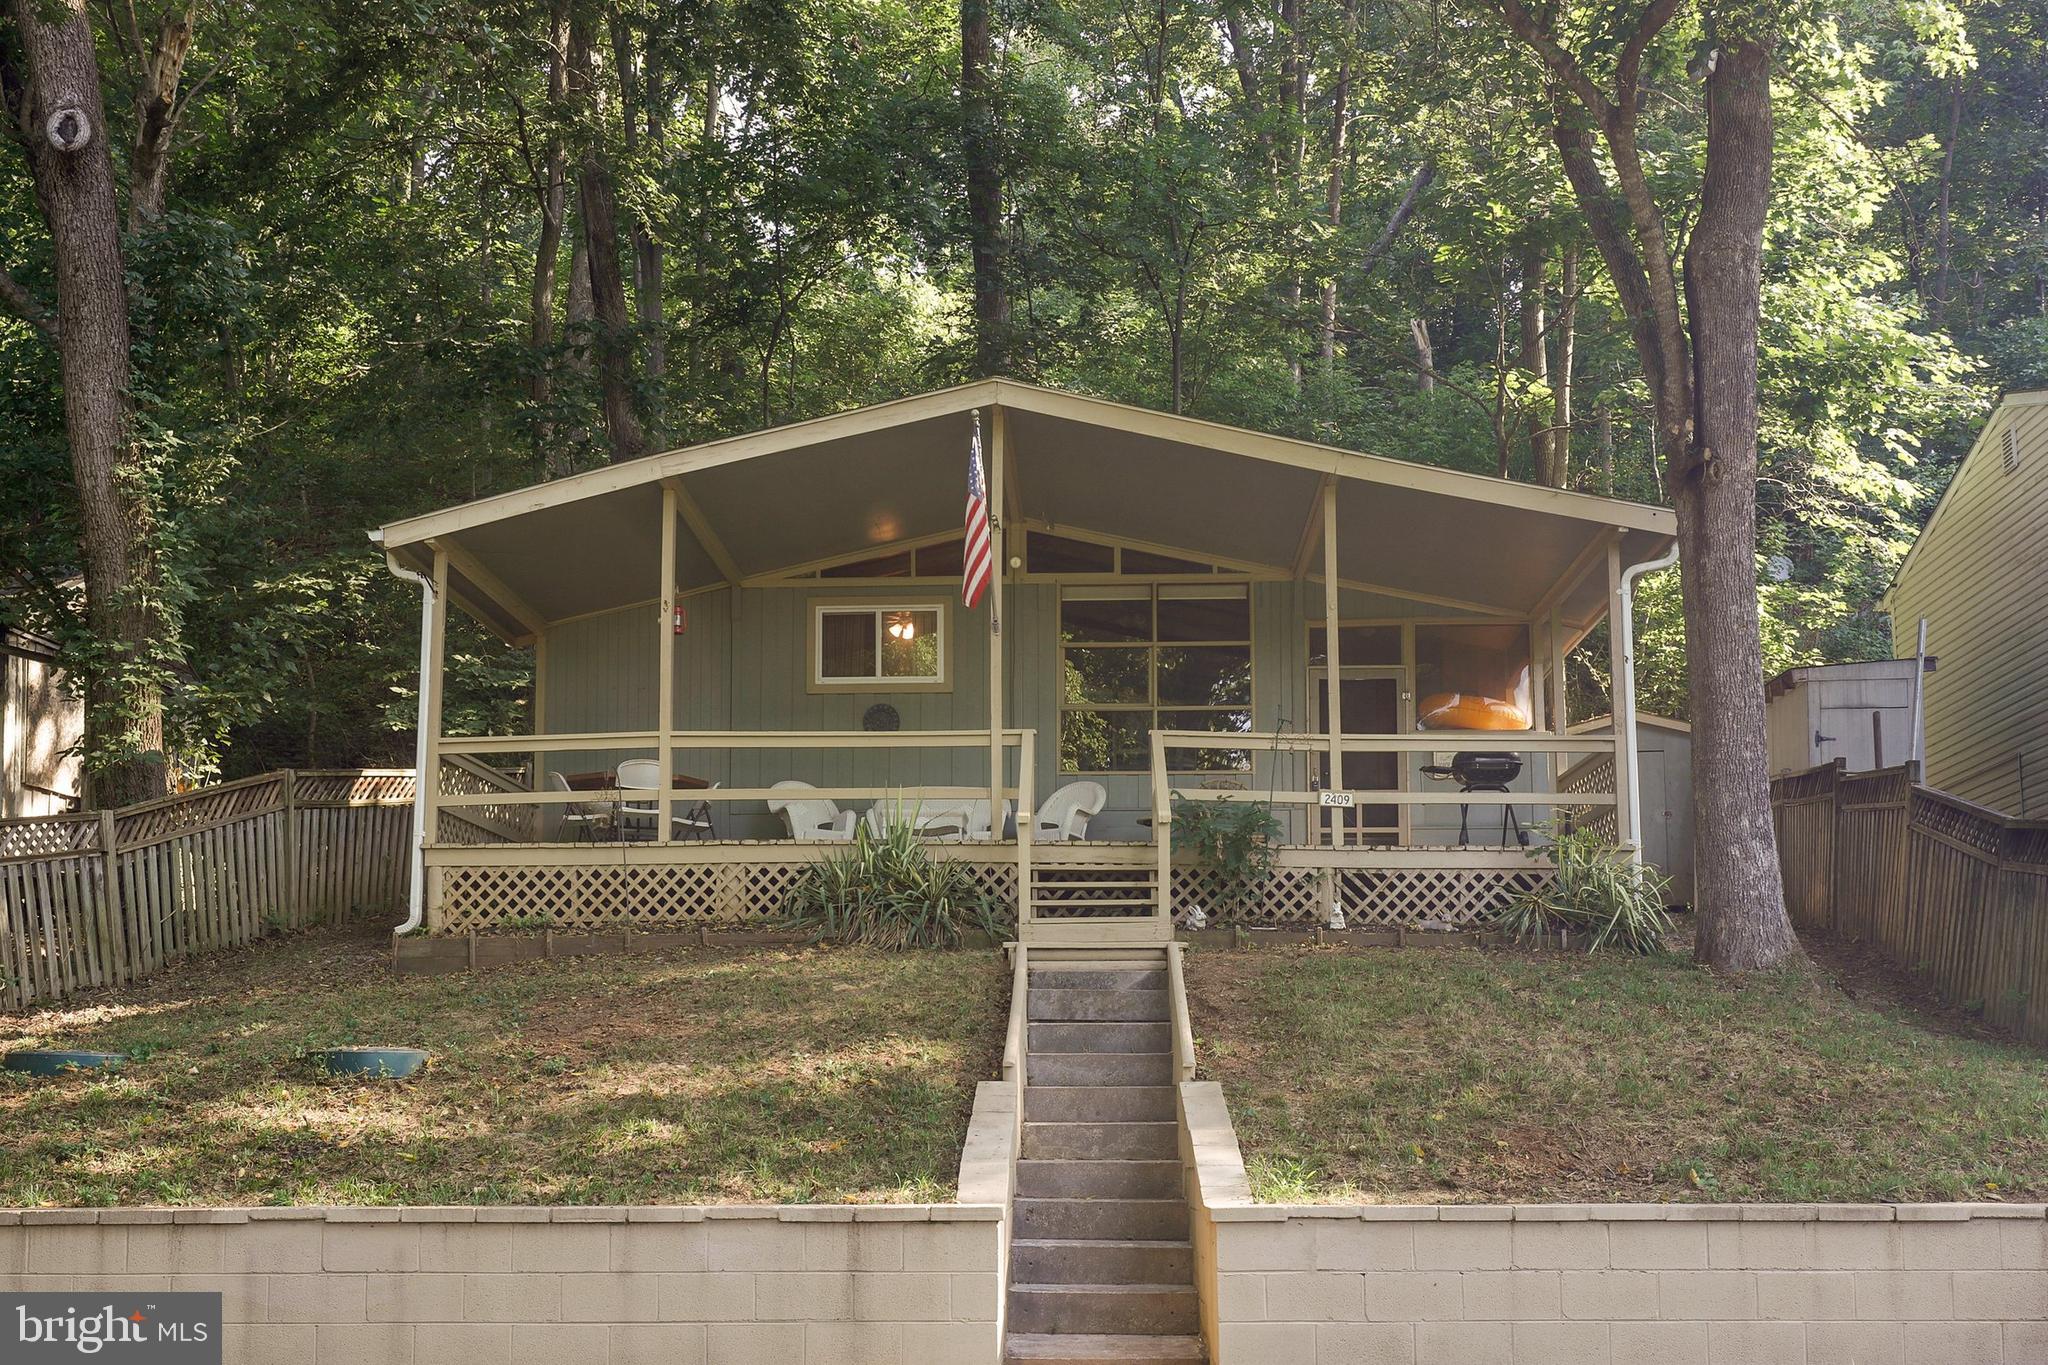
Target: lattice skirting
<point>740,891</point>
<point>650,896</point>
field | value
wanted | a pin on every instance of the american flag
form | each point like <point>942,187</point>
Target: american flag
<point>977,560</point>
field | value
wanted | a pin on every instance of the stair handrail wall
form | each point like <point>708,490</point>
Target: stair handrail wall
<point>1183,1028</point>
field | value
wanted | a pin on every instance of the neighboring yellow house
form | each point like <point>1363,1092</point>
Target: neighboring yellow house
<point>41,723</point>
<point>1978,576</point>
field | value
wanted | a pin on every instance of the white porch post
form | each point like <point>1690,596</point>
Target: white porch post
<point>1333,662</point>
<point>432,686</point>
<point>1619,665</point>
<point>665,722</point>
<point>1557,687</point>
<point>535,779</point>
<point>999,568</point>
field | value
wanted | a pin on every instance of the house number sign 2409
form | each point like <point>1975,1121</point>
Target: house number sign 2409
<point>1343,799</point>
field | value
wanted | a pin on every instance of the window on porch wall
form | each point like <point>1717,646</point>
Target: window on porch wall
<point>1161,656</point>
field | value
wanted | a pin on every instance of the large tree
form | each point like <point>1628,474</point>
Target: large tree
<point>1694,314</point>
<point>50,72</point>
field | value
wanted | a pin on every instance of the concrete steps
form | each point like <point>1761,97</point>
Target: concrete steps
<point>1099,1104</point>
<point>1093,1349</point>
<point>1101,1269</point>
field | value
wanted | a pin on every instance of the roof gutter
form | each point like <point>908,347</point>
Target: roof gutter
<point>416,897</point>
<point>1625,688</point>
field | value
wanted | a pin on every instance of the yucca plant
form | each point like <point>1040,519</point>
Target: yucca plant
<point>887,891</point>
<point>1597,890</point>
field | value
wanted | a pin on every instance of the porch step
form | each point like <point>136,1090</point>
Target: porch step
<point>1098,1068</point>
<point>1067,1004</point>
<point>1098,959</point>
<point>1104,978</point>
<point>1102,1035</point>
<point>1099,1180</point>
<point>1099,1349</point>
<point>1101,1141</point>
<point>1101,1220</point>
<point>1136,1309</point>
<point>1055,1261</point>
<point>1099,1104</point>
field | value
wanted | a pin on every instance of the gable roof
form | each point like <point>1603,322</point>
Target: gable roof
<point>2020,398</point>
<point>881,476</point>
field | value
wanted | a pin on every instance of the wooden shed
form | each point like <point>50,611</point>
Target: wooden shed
<point>1664,772</point>
<point>1861,713</point>
<point>1978,576</point>
<point>41,723</point>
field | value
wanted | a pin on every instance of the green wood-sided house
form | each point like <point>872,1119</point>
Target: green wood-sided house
<point>1172,603</point>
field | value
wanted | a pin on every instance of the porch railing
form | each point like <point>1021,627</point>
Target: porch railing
<point>460,796</point>
<point>1577,786</point>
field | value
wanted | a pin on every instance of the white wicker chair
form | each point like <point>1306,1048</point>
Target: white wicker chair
<point>1065,815</point>
<point>814,819</point>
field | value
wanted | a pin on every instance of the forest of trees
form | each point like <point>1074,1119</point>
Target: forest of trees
<point>354,259</point>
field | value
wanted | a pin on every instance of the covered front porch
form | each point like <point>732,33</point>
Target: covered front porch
<point>1172,604</point>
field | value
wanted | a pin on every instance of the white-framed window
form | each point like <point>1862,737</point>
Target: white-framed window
<point>879,646</point>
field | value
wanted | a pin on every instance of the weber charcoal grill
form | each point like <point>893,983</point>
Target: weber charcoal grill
<point>1483,772</point>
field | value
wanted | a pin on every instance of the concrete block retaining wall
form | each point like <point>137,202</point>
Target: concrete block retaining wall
<point>1610,1284</point>
<point>797,1285</point>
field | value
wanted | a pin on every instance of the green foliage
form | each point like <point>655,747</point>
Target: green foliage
<point>887,891</point>
<point>333,329</point>
<point>1596,890</point>
<point>1234,845</point>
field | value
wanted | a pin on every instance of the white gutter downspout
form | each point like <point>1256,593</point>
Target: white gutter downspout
<point>1625,690</point>
<point>416,895</point>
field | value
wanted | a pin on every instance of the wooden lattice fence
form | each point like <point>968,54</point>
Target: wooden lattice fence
<point>98,900</point>
<point>1952,892</point>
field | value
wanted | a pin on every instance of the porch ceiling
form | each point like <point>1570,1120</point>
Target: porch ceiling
<point>1419,538</point>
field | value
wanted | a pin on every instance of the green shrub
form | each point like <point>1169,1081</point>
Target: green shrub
<point>1233,843</point>
<point>887,891</point>
<point>1598,891</point>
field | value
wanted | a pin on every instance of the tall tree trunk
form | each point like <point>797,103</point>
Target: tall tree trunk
<point>1603,416</point>
<point>598,199</point>
<point>1701,363</point>
<point>645,124</point>
<point>156,118</point>
<point>1425,355</point>
<point>1532,356</point>
<point>1293,91</point>
<point>1944,230</point>
<point>75,188</point>
<point>552,195</point>
<point>1333,191</point>
<point>1742,908</point>
<point>1566,331</point>
<point>984,191</point>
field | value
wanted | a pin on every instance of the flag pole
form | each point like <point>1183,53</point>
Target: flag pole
<point>998,457</point>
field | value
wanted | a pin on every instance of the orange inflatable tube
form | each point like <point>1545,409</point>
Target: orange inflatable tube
<point>1469,711</point>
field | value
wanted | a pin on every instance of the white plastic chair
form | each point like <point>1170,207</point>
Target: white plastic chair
<point>814,819</point>
<point>580,816</point>
<point>1065,815</point>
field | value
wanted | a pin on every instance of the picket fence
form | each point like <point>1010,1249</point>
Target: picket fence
<point>102,899</point>
<point>1953,892</point>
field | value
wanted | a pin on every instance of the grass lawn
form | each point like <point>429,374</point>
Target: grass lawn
<point>702,1076</point>
<point>1462,1076</point>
